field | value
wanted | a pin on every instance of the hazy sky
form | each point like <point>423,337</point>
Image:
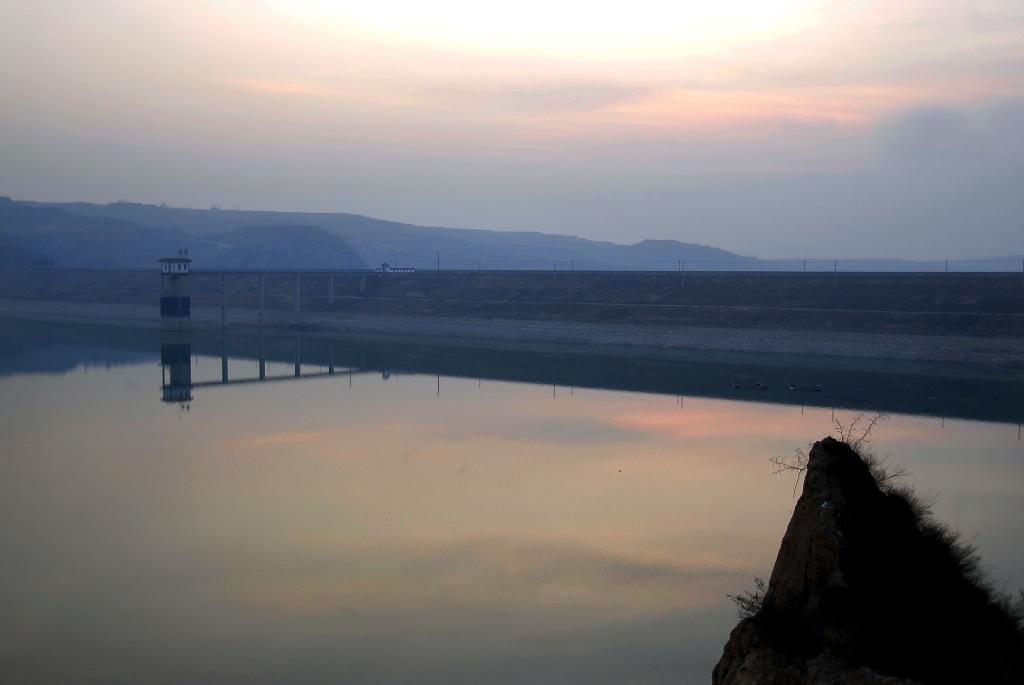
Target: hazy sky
<point>772,128</point>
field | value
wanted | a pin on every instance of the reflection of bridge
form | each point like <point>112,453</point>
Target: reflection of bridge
<point>868,386</point>
<point>865,385</point>
<point>265,379</point>
<point>176,369</point>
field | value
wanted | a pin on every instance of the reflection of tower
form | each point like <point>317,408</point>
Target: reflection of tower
<point>175,291</point>
<point>175,367</point>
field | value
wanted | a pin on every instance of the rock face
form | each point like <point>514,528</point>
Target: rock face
<point>866,589</point>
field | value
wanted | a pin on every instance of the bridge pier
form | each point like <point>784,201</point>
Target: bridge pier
<point>260,278</point>
<point>298,294</point>
<point>263,360</point>
<point>223,302</point>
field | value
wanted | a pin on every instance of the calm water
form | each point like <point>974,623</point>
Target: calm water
<point>390,527</point>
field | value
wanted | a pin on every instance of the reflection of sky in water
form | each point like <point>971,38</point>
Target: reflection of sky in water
<point>313,532</point>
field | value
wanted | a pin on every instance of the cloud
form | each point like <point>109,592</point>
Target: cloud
<point>1005,119</point>
<point>282,438</point>
<point>285,87</point>
<point>706,421</point>
<point>314,89</point>
<point>483,94</point>
<point>380,576</point>
<point>934,133</point>
<point>537,563</point>
<point>942,133</point>
<point>560,430</point>
<point>531,97</point>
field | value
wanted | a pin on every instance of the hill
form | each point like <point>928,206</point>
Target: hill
<point>377,240</point>
<point>33,234</point>
<point>130,234</point>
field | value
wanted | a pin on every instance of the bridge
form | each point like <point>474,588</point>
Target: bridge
<point>259,285</point>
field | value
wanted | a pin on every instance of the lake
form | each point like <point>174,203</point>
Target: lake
<point>408,514</point>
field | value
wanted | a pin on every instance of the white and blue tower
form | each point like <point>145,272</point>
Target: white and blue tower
<point>175,291</point>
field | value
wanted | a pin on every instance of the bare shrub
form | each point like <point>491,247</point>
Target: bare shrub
<point>856,434</point>
<point>796,463</point>
<point>850,434</point>
<point>749,603</point>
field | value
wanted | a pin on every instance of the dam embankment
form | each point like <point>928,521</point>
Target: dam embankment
<point>975,318</point>
<point>982,304</point>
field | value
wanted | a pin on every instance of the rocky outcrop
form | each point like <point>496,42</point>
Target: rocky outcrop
<point>867,589</point>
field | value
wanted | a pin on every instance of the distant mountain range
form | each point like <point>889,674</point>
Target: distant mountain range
<point>132,235</point>
<point>37,234</point>
<point>126,234</point>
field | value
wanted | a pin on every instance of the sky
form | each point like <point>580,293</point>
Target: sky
<point>817,128</point>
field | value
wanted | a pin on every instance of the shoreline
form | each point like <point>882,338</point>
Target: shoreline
<point>650,341</point>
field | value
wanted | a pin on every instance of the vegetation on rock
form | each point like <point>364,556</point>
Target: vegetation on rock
<point>869,588</point>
